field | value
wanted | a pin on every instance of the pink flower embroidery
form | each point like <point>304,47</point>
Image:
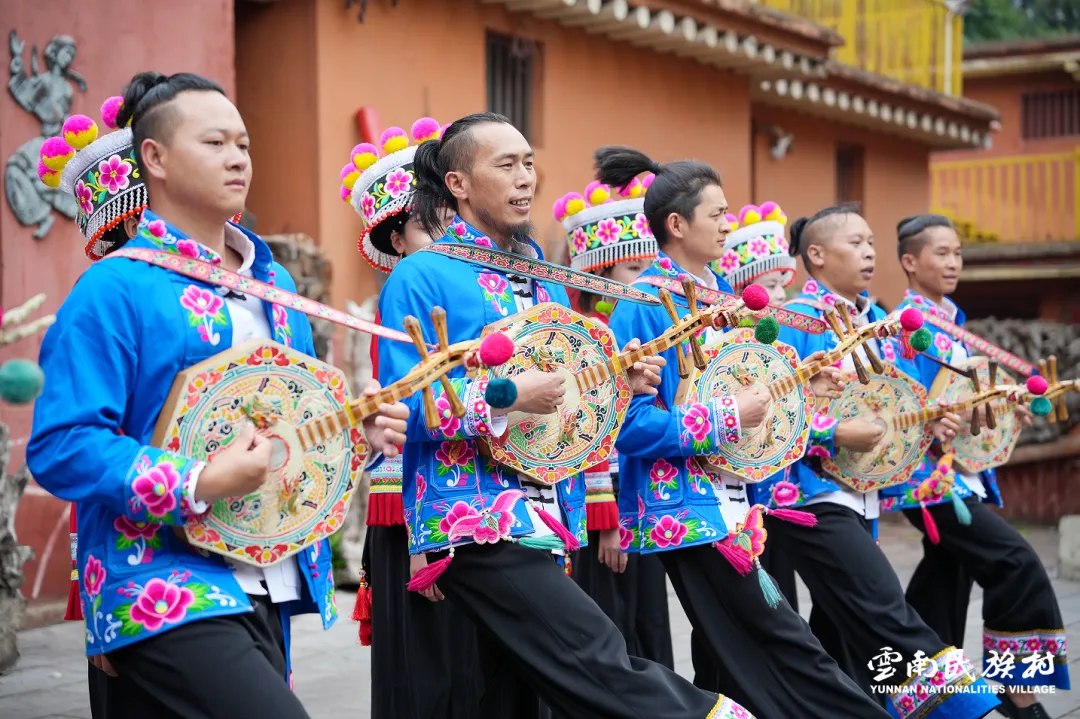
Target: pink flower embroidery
<point>781,245</point>
<point>665,263</point>
<point>640,227</point>
<point>758,248</point>
<point>662,472</point>
<point>188,248</point>
<point>114,174</point>
<point>85,197</point>
<point>156,228</point>
<point>454,454</point>
<point>483,242</point>
<point>135,530</point>
<point>449,424</point>
<point>907,703</point>
<point>201,302</point>
<point>888,351</point>
<point>1052,646</point>
<point>458,512</point>
<point>822,422</point>
<point>608,231</point>
<point>398,181</point>
<point>156,489</point>
<point>367,206</point>
<point>739,712</point>
<point>818,451</point>
<point>811,287</point>
<point>160,603</point>
<point>1033,644</point>
<point>668,532</point>
<point>493,283</point>
<point>580,240</point>
<point>785,494</point>
<point>730,261</point>
<point>696,421</point>
<point>421,488</point>
<point>829,299</point>
<point>542,295</point>
<point>625,538</point>
<point>943,343</point>
<point>458,228</point>
<point>93,576</point>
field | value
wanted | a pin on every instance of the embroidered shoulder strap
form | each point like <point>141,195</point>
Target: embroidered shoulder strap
<point>540,270</point>
<point>709,296</point>
<point>991,350</point>
<point>221,277</point>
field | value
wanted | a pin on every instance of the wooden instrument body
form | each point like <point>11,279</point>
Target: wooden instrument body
<point>991,447</point>
<point>308,493</point>
<point>550,448</point>
<point>737,360</point>
<point>896,457</point>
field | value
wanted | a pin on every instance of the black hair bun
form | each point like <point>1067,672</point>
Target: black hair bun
<point>795,233</point>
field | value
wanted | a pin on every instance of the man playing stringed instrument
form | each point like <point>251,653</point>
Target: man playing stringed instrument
<point>699,524</point>
<point>185,633</point>
<point>858,603</point>
<point>966,541</point>
<point>537,628</point>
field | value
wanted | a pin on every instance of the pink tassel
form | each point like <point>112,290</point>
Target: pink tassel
<point>426,577</point>
<point>738,559</point>
<point>568,539</point>
<point>805,519</point>
<point>931,526</point>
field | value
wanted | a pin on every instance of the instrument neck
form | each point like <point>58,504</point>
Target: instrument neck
<point>593,376</point>
<point>325,427</point>
<point>783,386</point>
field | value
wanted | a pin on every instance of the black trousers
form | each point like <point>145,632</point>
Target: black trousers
<point>424,658</point>
<point>853,587</point>
<point>217,668</point>
<point>537,625</point>
<point>764,658</point>
<point>635,600</point>
<point>1017,594</point>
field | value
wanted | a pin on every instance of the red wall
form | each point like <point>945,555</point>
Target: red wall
<point>114,40</point>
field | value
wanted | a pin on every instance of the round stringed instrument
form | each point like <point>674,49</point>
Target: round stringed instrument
<point>319,450</point>
<point>582,432</point>
<point>737,362</point>
<point>990,438</point>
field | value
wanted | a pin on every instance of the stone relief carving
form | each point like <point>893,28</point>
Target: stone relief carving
<point>47,95</point>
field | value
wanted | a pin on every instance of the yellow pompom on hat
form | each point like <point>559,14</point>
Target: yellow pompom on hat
<point>605,226</point>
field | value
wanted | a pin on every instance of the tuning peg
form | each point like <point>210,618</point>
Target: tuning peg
<point>700,361</point>
<point>669,305</point>
<point>975,428</point>
<point>431,412</point>
<point>838,329</point>
<point>991,417</point>
<point>875,362</point>
<point>1059,413</point>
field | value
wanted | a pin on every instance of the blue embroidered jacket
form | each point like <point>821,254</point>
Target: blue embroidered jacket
<point>804,480</point>
<point>666,501</point>
<point>120,338</point>
<point>444,477</point>
<point>903,496</point>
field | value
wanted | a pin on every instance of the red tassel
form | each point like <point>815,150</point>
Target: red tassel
<point>906,350</point>
<point>931,526</point>
<point>426,577</point>
<point>362,608</point>
<point>738,559</point>
<point>568,539</point>
<point>805,519</point>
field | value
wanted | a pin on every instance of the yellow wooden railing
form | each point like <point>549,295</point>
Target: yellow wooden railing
<point>1024,198</point>
<point>915,41</point>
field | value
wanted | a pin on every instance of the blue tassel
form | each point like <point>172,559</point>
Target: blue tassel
<point>963,514</point>
<point>768,586</point>
<point>546,543</point>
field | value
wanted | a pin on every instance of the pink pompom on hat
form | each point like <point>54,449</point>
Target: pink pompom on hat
<point>756,246</point>
<point>606,225</point>
<point>99,171</point>
<point>379,182</point>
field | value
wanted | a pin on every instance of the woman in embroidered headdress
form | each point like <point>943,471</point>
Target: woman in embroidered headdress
<point>424,663</point>
<point>859,614</point>
<point>703,528</point>
<point>608,235</point>
<point>965,541</point>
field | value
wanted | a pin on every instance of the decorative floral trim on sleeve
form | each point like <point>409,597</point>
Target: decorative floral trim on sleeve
<point>598,486</point>
<point>1025,644</point>
<point>822,436</point>
<point>942,676</point>
<point>477,420</point>
<point>157,487</point>
<point>727,708</point>
<point>728,412</point>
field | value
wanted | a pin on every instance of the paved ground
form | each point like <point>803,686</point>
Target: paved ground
<point>332,670</point>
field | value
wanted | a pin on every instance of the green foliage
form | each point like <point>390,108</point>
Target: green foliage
<point>989,20</point>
